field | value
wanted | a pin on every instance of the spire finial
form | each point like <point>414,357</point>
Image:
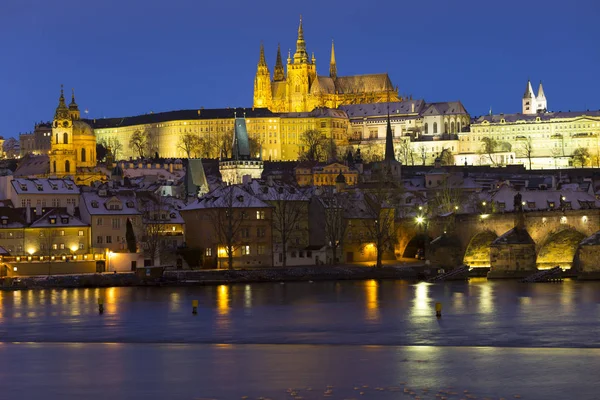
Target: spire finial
<point>262,62</point>
<point>72,95</point>
<point>332,65</point>
<point>300,55</point>
<point>389,136</point>
<point>278,75</point>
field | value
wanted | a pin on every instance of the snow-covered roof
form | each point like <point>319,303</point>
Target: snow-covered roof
<point>225,197</point>
<point>117,204</point>
<point>275,191</point>
<point>545,199</point>
<point>44,186</point>
<point>57,217</point>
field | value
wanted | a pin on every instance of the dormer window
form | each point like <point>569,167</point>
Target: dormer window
<point>172,215</point>
<point>94,204</point>
<point>65,220</point>
<point>53,220</point>
<point>23,187</point>
<point>39,188</point>
<point>130,204</point>
<point>4,220</point>
<point>551,204</point>
<point>531,204</point>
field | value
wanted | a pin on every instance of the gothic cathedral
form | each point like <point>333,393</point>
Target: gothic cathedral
<point>302,90</point>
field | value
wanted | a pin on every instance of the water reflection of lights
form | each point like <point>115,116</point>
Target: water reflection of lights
<point>458,301</point>
<point>421,306</point>
<point>223,299</point>
<point>486,298</point>
<point>247,296</point>
<point>372,297</point>
<point>175,301</point>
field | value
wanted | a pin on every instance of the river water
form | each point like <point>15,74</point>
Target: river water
<point>336,340</point>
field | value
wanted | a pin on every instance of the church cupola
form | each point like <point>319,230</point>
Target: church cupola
<point>279,74</point>
<point>300,56</point>
<point>332,66</point>
<point>73,108</point>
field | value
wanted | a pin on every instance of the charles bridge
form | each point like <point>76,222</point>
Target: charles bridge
<point>466,238</point>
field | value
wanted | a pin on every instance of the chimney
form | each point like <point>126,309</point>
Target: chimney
<point>38,210</point>
<point>412,108</point>
<point>171,167</point>
<point>246,179</point>
<point>28,215</point>
<point>71,209</point>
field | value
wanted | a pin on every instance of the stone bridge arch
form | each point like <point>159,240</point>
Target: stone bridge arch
<point>477,253</point>
<point>559,248</point>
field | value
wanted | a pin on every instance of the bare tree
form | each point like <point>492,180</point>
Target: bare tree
<point>313,145</point>
<point>46,243</point>
<point>489,146</point>
<point>139,142</point>
<point>423,154</point>
<point>227,219</point>
<point>114,145</point>
<point>224,143</point>
<point>289,211</point>
<point>155,217</point>
<point>556,153</point>
<point>525,150</point>
<point>189,143</point>
<point>10,148</point>
<point>581,156</point>
<point>446,157</point>
<point>405,153</point>
<point>335,224</point>
<point>380,227</point>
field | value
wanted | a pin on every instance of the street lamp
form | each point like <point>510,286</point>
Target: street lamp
<point>74,249</point>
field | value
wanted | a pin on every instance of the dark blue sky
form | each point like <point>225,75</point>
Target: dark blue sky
<point>131,57</point>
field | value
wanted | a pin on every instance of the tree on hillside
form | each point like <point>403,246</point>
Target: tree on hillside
<point>11,148</point>
<point>139,142</point>
<point>446,157</point>
<point>525,150</point>
<point>423,154</point>
<point>313,146</point>
<point>404,153</point>
<point>581,156</point>
<point>189,144</point>
<point>489,146</point>
<point>114,145</point>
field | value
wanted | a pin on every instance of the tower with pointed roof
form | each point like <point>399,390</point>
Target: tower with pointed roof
<point>243,164</point>
<point>332,66</point>
<point>540,100</point>
<point>301,73</point>
<point>262,82</point>
<point>279,73</point>
<point>529,105</point>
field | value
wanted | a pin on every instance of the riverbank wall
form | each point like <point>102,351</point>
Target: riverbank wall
<point>213,277</point>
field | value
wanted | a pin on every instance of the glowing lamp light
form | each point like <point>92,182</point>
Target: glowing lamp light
<point>584,219</point>
<point>173,229</point>
<point>15,269</point>
<point>222,252</point>
<point>563,198</point>
<point>523,203</point>
<point>420,220</point>
<point>110,254</point>
<point>420,207</point>
<point>31,251</point>
<point>483,203</point>
<point>456,207</point>
<point>28,258</point>
<point>52,258</point>
<point>74,248</point>
<point>563,220</point>
<point>484,216</point>
<point>18,258</point>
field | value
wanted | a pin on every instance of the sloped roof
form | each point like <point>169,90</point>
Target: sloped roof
<point>241,141</point>
<point>514,236</point>
<point>44,186</point>
<point>97,205</point>
<point>445,108</point>
<point>381,109</point>
<point>153,118</point>
<point>225,197</point>
<point>59,214</point>
<point>323,85</point>
<point>274,192</point>
<point>363,83</point>
<point>33,165</point>
<point>540,199</point>
<point>548,116</point>
<point>195,176</point>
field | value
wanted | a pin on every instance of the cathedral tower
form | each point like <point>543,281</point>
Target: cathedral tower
<point>301,72</point>
<point>529,100</point>
<point>540,100</point>
<point>279,73</point>
<point>73,109</point>
<point>262,82</point>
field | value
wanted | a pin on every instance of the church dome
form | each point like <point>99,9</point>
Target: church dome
<point>81,128</point>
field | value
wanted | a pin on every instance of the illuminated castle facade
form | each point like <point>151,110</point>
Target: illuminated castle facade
<point>301,89</point>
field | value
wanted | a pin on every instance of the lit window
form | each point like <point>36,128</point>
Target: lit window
<point>260,215</point>
<point>80,233</point>
<point>208,252</point>
<point>246,250</point>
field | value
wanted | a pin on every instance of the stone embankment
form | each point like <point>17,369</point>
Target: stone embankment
<point>211,277</point>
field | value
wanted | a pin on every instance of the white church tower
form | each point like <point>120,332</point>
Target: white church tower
<point>533,104</point>
<point>540,100</point>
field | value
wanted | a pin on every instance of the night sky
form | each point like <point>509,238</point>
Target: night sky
<point>131,57</point>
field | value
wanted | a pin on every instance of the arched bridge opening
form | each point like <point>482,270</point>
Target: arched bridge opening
<point>477,254</point>
<point>559,249</point>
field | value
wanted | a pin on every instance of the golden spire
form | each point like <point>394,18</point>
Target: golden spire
<point>279,74</point>
<point>73,105</point>
<point>62,112</point>
<point>300,55</point>
<point>332,66</point>
<point>262,61</point>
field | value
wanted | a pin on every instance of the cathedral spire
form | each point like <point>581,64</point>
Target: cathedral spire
<point>541,92</point>
<point>279,75</point>
<point>332,66</point>
<point>528,91</point>
<point>262,62</point>
<point>389,136</point>
<point>300,56</point>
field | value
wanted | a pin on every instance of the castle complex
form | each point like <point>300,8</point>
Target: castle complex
<point>301,89</point>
